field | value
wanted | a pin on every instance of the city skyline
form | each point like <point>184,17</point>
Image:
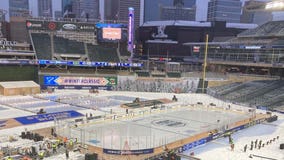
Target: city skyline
<point>201,9</point>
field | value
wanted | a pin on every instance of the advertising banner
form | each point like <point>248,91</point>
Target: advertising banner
<point>79,81</point>
<point>128,152</point>
<point>60,25</point>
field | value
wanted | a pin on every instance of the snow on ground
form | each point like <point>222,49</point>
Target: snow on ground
<point>220,149</point>
<point>216,150</point>
<point>8,112</point>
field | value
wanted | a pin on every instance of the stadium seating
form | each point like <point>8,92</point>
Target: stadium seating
<point>65,46</point>
<point>85,37</point>
<point>42,45</point>
<point>107,72</point>
<point>123,50</point>
<point>174,74</point>
<point>157,85</point>
<point>143,73</point>
<point>268,93</point>
<point>100,53</point>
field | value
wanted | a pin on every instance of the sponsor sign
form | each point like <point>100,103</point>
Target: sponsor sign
<point>110,25</point>
<point>212,137</point>
<point>55,25</point>
<point>77,87</point>
<point>128,152</point>
<point>7,43</point>
<point>52,25</point>
<point>88,64</point>
<point>30,24</point>
<point>69,27</point>
<point>194,144</point>
<point>262,108</point>
<point>79,81</point>
<point>47,117</point>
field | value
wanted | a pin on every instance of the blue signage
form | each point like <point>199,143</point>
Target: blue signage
<point>88,64</point>
<point>108,88</point>
<point>47,117</point>
<point>50,80</point>
<point>128,152</point>
<point>110,25</point>
<point>194,144</point>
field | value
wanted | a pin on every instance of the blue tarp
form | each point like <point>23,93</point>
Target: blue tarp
<point>47,117</point>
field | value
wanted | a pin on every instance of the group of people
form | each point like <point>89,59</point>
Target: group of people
<point>67,144</point>
<point>257,144</point>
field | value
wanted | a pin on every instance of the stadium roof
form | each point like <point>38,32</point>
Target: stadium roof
<point>18,84</point>
<point>203,43</point>
<point>176,23</point>
<point>196,24</point>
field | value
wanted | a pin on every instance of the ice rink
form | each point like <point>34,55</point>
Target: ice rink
<point>155,129</point>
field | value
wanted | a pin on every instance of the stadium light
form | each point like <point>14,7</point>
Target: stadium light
<point>275,5</point>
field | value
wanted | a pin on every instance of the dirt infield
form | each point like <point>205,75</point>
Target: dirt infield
<point>9,123</point>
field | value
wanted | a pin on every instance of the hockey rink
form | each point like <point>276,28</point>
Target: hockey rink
<point>153,130</point>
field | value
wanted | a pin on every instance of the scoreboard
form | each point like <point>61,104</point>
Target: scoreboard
<point>112,33</point>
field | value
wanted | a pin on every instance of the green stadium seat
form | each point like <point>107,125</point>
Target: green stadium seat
<point>100,53</point>
<point>42,45</point>
<point>66,46</point>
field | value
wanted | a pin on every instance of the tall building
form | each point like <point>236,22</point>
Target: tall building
<point>257,17</point>
<point>86,9</point>
<point>178,13</point>
<point>111,9</point>
<point>45,8</point>
<point>156,10</point>
<point>224,10</point>
<point>18,30</point>
<point>57,14</point>
<point>2,15</point>
<point>66,6</point>
<point>18,12</point>
<point>19,8</point>
<point>123,6</point>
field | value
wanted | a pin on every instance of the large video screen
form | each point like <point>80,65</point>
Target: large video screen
<point>112,33</point>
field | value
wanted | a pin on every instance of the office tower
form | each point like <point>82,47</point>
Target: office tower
<point>224,10</point>
<point>123,6</point>
<point>19,8</point>
<point>44,8</point>
<point>86,9</point>
<point>257,17</point>
<point>178,12</point>
<point>111,9</point>
<point>169,10</point>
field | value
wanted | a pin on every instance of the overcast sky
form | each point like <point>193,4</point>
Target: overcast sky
<point>201,14</point>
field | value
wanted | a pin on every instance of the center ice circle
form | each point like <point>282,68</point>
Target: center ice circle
<point>168,123</point>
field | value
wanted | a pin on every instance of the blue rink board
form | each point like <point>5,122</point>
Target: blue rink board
<point>47,117</point>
